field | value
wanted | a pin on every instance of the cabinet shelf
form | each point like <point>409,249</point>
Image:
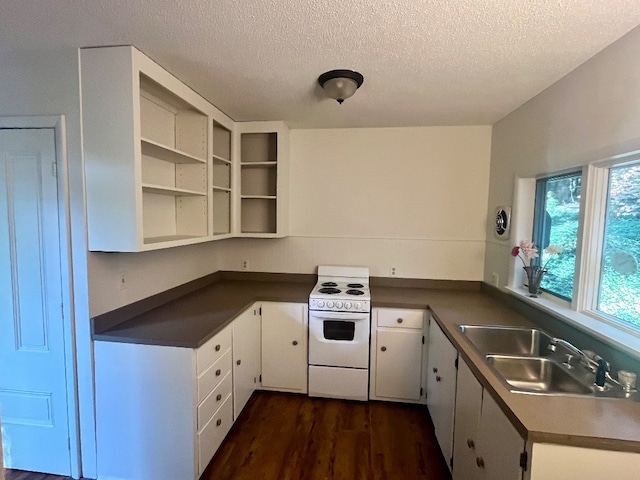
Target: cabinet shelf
<point>169,238</point>
<point>168,154</point>
<point>216,158</point>
<point>271,163</point>
<point>172,191</point>
<point>220,189</point>
<point>258,197</point>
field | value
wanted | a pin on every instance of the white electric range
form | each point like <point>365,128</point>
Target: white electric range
<point>339,333</point>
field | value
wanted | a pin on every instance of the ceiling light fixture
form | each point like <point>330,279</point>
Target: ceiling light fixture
<point>340,84</point>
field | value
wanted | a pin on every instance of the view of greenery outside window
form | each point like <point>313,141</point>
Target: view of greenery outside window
<point>557,208</point>
<point>619,293</point>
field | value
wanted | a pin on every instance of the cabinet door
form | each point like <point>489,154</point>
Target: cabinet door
<point>465,439</point>
<point>441,387</point>
<point>284,347</point>
<point>398,363</point>
<point>500,443</point>
<point>246,357</point>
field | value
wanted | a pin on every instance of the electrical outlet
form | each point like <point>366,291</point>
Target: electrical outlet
<point>495,279</point>
<point>122,281</point>
<point>392,271</point>
<point>245,264</point>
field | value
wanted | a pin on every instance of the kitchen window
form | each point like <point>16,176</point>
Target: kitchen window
<point>619,282</point>
<point>557,210</point>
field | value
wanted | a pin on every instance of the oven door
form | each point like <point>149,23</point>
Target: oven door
<point>339,339</point>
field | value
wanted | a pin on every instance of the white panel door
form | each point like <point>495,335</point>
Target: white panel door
<point>399,364</point>
<point>284,347</point>
<point>441,387</point>
<point>246,357</point>
<point>33,401</point>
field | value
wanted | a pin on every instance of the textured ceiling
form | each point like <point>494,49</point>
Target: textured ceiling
<point>425,62</point>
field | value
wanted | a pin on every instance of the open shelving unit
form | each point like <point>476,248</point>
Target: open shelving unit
<point>148,145</point>
<point>221,167</point>
<point>263,147</point>
<point>174,145</point>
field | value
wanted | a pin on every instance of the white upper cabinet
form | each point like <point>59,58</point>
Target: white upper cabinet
<point>263,179</point>
<point>157,155</point>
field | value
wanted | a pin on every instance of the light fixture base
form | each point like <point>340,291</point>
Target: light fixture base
<point>340,84</point>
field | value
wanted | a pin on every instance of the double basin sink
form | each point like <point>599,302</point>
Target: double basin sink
<point>528,360</point>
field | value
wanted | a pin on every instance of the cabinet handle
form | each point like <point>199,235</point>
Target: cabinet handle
<point>294,343</point>
<point>218,372</point>
<point>218,422</point>
<point>384,349</point>
<point>438,378</point>
<point>238,362</point>
<point>435,370</point>
<point>399,320</point>
<point>218,397</point>
<point>218,348</point>
<point>471,444</point>
<point>480,462</point>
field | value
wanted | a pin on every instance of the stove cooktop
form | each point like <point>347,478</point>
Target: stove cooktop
<point>341,289</point>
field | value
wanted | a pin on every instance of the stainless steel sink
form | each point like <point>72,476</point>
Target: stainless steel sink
<point>502,340</point>
<point>538,375</point>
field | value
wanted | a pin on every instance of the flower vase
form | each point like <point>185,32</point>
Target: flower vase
<point>535,274</point>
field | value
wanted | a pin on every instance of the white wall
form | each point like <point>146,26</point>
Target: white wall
<point>591,114</point>
<point>146,273</point>
<point>412,198</point>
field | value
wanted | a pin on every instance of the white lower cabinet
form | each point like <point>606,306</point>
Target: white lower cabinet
<point>284,346</point>
<point>398,355</point>
<point>441,387</point>
<point>161,412</point>
<point>246,357</point>
<point>486,445</point>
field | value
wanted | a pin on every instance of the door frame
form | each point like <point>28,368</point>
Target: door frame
<point>58,124</point>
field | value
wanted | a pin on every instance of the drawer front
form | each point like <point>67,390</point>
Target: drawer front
<point>213,350</point>
<point>212,435</point>
<point>400,318</point>
<point>213,376</point>
<point>211,403</point>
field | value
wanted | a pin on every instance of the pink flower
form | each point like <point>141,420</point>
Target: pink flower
<point>515,251</point>
<point>529,249</point>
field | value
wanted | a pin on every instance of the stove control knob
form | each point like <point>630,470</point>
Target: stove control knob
<point>357,306</point>
<point>338,304</point>
<point>320,303</point>
<point>330,304</point>
<point>347,305</point>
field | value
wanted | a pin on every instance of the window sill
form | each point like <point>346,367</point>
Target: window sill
<point>625,341</point>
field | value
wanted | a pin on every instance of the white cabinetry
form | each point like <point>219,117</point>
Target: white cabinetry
<point>398,355</point>
<point>486,445</point>
<point>263,180</point>
<point>441,386</point>
<point>284,347</point>
<point>246,357</point>
<point>161,412</point>
<point>148,153</point>
<point>221,180</point>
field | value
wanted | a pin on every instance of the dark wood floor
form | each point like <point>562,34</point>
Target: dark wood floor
<point>292,437</point>
<point>283,436</point>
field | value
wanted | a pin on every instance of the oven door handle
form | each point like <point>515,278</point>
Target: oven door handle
<point>340,316</point>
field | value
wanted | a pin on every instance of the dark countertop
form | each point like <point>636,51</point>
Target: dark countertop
<point>601,423</point>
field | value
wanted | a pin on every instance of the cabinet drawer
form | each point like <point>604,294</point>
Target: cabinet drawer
<point>213,375</point>
<point>213,401</point>
<point>212,435</point>
<point>400,318</point>
<point>213,350</point>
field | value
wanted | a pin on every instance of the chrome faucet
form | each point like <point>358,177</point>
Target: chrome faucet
<point>584,358</point>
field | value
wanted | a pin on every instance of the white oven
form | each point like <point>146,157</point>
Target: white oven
<point>339,339</point>
<point>339,331</point>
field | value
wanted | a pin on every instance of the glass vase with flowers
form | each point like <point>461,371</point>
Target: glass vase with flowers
<point>535,273</point>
